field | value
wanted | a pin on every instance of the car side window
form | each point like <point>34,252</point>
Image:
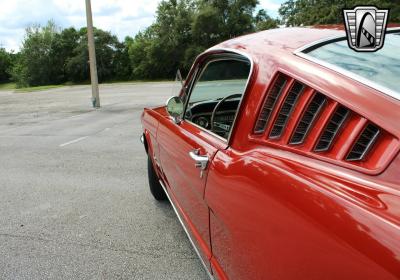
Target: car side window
<point>216,94</point>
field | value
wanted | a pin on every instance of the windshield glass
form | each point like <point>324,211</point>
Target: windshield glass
<point>381,67</point>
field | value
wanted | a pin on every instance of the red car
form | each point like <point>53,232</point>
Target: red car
<point>281,157</point>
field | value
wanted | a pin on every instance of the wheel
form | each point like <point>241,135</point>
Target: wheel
<point>155,187</point>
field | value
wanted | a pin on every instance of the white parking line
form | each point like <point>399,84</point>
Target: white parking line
<point>74,141</point>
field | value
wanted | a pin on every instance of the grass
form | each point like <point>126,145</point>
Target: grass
<point>39,88</point>
<point>13,86</point>
<point>135,81</point>
<point>8,86</point>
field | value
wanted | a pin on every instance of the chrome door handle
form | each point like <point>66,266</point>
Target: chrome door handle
<point>199,161</point>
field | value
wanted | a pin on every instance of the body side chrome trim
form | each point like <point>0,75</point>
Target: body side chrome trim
<point>302,52</point>
<point>186,231</point>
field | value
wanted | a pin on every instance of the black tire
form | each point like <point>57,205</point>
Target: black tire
<point>155,188</point>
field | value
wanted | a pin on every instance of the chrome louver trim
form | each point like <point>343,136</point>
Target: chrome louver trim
<point>364,143</point>
<point>307,120</point>
<point>270,102</point>
<point>286,110</point>
<point>332,128</point>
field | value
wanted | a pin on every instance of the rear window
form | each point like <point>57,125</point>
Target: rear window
<point>381,67</point>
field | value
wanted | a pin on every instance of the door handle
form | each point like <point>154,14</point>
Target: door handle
<point>199,161</point>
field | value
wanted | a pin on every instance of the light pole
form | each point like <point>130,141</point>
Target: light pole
<point>92,56</point>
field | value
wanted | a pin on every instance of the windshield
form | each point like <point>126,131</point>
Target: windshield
<point>381,67</point>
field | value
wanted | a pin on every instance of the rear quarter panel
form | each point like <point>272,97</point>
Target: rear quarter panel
<point>273,219</point>
<point>276,214</point>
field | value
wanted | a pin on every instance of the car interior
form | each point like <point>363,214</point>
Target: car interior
<point>216,92</point>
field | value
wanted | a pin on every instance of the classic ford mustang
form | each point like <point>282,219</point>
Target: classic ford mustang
<point>281,157</point>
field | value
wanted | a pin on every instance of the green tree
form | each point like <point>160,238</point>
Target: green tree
<point>182,30</point>
<point>207,26</point>
<point>34,66</point>
<point>160,49</point>
<point>6,62</point>
<point>44,55</point>
<point>108,53</point>
<point>185,28</point>
<point>50,55</point>
<point>219,20</point>
<point>263,21</point>
<point>121,63</point>
<point>312,12</point>
<point>62,49</point>
<point>140,50</point>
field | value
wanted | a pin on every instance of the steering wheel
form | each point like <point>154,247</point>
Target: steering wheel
<point>223,127</point>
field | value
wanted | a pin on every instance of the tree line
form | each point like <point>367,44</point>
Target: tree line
<point>182,29</point>
<point>313,12</point>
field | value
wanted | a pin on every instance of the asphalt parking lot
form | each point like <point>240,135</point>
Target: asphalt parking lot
<point>74,199</point>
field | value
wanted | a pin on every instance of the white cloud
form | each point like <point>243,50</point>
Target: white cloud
<point>121,17</point>
<point>271,6</point>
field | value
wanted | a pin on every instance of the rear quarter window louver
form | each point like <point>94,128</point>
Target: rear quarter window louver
<point>298,118</point>
<point>364,143</point>
<point>332,129</point>
<point>272,97</point>
<point>306,122</point>
<point>286,110</point>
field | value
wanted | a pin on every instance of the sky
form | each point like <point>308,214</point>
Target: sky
<point>121,17</point>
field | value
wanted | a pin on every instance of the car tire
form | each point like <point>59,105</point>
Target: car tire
<point>155,187</point>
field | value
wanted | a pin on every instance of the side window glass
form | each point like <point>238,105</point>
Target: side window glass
<point>216,95</point>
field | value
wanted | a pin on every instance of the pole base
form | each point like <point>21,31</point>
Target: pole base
<point>95,103</point>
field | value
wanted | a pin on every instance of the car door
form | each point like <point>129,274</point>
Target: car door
<point>187,147</point>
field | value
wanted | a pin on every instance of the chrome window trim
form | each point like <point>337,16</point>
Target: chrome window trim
<point>197,75</point>
<point>319,43</point>
<point>189,88</point>
<point>302,52</point>
<point>186,230</point>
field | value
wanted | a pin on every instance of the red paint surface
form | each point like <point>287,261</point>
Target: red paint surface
<point>267,210</point>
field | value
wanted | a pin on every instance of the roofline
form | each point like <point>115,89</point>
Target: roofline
<point>316,44</point>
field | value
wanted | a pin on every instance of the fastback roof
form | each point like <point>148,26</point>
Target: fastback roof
<point>284,39</point>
